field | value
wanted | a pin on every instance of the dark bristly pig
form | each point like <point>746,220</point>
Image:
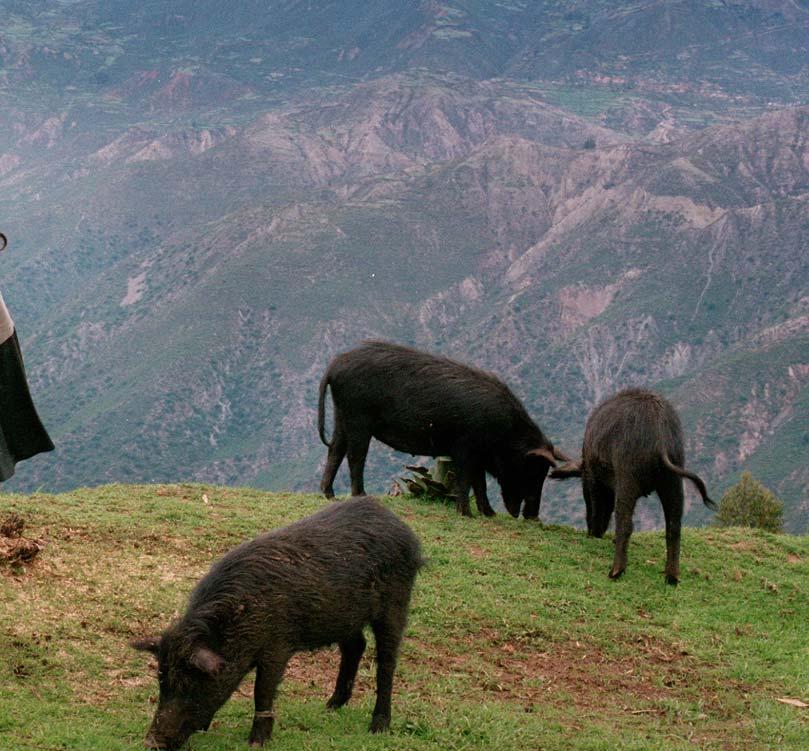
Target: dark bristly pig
<point>317,582</point>
<point>633,446</point>
<point>427,405</point>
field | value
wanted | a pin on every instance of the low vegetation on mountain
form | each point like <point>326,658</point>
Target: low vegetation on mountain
<point>206,203</point>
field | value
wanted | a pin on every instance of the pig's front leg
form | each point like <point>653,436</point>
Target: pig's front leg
<point>268,675</point>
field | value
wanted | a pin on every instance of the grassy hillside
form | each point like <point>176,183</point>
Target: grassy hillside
<point>517,639</point>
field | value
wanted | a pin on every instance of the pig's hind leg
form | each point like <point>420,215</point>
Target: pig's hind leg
<point>351,651</point>
<point>388,632</point>
<point>626,496</point>
<point>358,442</point>
<point>671,496</point>
<point>337,452</point>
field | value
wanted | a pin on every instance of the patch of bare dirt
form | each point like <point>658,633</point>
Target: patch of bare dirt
<point>580,303</point>
<point>566,672</point>
<point>317,671</point>
<point>643,671</point>
<point>648,671</point>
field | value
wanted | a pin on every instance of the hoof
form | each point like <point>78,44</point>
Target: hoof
<point>616,574</point>
<point>488,511</point>
<point>673,580</point>
<point>380,724</point>
<point>336,702</point>
<point>261,730</point>
<point>256,741</point>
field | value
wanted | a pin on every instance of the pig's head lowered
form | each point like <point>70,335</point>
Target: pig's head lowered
<point>521,480</point>
<point>194,682</point>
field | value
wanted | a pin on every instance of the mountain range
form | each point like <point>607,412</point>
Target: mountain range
<point>205,203</point>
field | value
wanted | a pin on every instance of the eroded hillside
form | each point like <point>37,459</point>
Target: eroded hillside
<point>197,230</point>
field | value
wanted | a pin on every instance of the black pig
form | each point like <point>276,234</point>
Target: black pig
<point>316,582</point>
<point>428,405</point>
<point>633,446</point>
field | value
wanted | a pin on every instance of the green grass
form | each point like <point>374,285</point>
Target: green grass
<point>517,639</point>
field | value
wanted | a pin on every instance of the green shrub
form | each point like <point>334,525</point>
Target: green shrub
<point>749,504</point>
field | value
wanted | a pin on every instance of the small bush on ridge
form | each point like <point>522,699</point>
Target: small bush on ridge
<point>749,504</point>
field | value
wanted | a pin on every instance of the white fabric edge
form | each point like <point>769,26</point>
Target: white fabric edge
<point>6,322</point>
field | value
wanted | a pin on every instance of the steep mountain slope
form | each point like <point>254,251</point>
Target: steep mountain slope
<point>194,236</point>
<point>572,272</point>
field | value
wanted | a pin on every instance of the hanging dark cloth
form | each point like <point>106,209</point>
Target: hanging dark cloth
<point>22,435</point>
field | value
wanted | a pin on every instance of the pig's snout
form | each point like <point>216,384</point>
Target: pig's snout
<point>151,741</point>
<point>156,740</point>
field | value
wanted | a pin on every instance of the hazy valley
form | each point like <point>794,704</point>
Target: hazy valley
<point>203,209</point>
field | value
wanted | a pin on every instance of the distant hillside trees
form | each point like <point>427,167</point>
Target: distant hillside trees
<point>749,504</point>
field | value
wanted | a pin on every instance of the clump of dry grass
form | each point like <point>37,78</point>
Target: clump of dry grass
<point>14,547</point>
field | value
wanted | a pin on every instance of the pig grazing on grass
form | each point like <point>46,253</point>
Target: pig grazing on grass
<point>432,406</point>
<point>314,583</point>
<point>633,446</point>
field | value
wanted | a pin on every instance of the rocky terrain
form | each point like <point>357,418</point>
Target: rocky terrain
<point>204,206</point>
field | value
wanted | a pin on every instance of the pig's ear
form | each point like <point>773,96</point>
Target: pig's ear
<point>206,660</point>
<point>543,453</point>
<point>147,644</point>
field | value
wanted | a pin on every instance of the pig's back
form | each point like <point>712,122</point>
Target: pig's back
<point>321,577</point>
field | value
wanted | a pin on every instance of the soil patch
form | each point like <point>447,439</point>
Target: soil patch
<point>641,673</point>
